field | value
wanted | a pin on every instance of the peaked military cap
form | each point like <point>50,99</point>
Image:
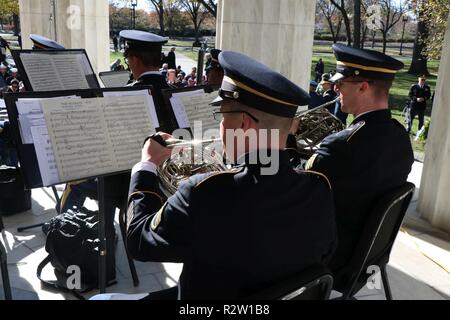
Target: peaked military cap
<point>142,40</point>
<point>256,85</point>
<point>43,43</point>
<point>364,63</point>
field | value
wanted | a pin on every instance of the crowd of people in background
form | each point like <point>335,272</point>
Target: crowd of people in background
<point>10,80</point>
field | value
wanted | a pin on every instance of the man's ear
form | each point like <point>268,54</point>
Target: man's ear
<point>364,86</point>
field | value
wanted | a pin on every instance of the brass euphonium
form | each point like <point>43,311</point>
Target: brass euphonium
<point>192,159</point>
<point>314,126</point>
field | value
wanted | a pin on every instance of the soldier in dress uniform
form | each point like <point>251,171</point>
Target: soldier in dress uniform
<point>419,94</point>
<point>373,155</point>
<point>242,230</point>
<point>143,55</point>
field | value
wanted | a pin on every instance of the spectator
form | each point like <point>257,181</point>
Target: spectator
<point>319,70</point>
<point>4,71</point>
<point>164,70</point>
<point>316,99</point>
<point>172,78</point>
<point>179,70</point>
<point>172,59</point>
<point>14,75</point>
<point>116,43</point>
<point>163,59</point>
<point>419,94</point>
<point>328,93</point>
<point>14,87</point>
<point>191,79</point>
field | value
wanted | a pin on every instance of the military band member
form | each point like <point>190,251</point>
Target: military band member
<point>43,43</point>
<point>419,94</point>
<point>372,156</point>
<point>242,230</point>
<point>143,53</point>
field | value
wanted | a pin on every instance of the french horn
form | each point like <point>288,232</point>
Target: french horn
<point>192,159</point>
<point>314,126</point>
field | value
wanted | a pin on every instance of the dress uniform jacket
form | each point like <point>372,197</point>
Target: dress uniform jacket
<point>235,232</point>
<point>417,91</point>
<point>158,81</point>
<point>363,162</point>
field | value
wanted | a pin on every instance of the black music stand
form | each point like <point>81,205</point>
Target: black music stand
<point>31,172</point>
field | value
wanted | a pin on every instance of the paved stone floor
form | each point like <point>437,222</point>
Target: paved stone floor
<point>417,269</point>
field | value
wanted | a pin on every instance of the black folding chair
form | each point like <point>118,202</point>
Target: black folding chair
<point>4,267</point>
<point>315,283</point>
<point>375,245</point>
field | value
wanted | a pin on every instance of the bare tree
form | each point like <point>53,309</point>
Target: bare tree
<point>171,10</point>
<point>357,23</point>
<point>211,6</point>
<point>332,15</point>
<point>159,8</point>
<point>197,12</point>
<point>419,59</point>
<point>391,15</point>
<point>341,6</point>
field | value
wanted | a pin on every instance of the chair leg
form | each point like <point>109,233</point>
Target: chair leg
<point>5,275</point>
<point>387,288</point>
<point>123,230</point>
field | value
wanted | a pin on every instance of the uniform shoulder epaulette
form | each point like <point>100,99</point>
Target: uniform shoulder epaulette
<point>346,134</point>
<point>319,176</point>
<point>213,176</point>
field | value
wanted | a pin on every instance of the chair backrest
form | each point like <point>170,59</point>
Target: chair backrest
<point>315,283</point>
<point>377,238</point>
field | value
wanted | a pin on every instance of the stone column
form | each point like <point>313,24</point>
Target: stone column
<point>76,24</point>
<point>278,33</point>
<point>434,196</point>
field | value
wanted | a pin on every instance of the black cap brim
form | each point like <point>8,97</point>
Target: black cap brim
<point>216,102</point>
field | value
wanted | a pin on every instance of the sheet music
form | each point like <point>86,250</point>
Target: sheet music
<point>45,156</point>
<point>91,137</point>
<point>196,108</point>
<point>70,72</point>
<point>115,79</point>
<point>150,102</point>
<point>54,72</point>
<point>41,72</point>
<point>129,123</point>
<point>2,104</point>
<point>79,138</point>
<point>31,115</point>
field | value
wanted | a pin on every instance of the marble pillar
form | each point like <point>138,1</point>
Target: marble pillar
<point>434,196</point>
<point>277,33</point>
<point>73,23</point>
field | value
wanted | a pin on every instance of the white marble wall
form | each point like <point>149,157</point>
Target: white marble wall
<point>79,24</point>
<point>278,33</point>
<point>434,197</point>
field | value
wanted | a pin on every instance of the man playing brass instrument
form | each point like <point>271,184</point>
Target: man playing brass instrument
<point>373,155</point>
<point>242,230</point>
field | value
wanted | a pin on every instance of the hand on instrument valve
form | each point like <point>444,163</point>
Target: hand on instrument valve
<point>154,151</point>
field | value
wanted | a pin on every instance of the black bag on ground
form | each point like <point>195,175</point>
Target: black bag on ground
<point>13,196</point>
<point>72,240</point>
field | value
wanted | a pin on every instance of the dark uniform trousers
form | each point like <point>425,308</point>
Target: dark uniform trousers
<point>235,232</point>
<point>418,108</point>
<point>363,162</point>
